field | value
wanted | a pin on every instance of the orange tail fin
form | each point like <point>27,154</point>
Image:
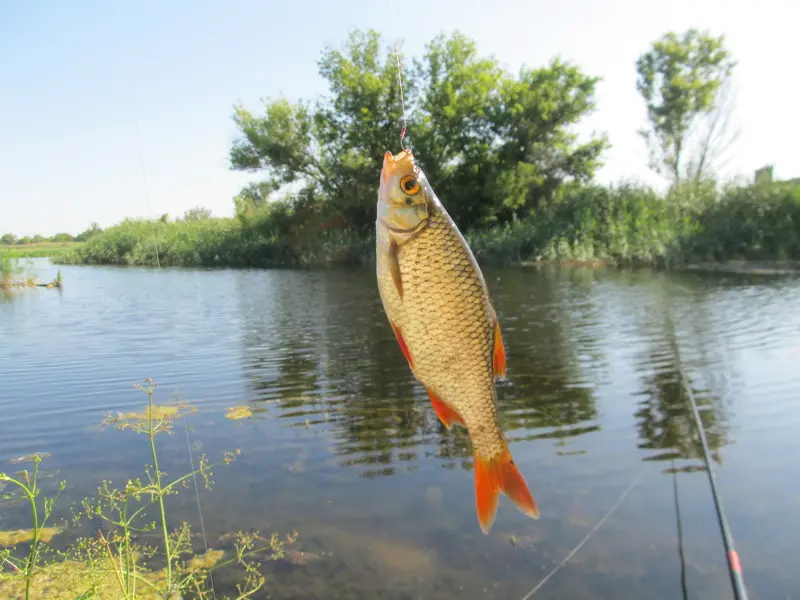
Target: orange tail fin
<point>500,474</point>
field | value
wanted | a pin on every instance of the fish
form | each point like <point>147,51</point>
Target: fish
<point>438,306</point>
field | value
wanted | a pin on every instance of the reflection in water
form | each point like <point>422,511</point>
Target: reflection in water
<point>552,351</point>
<point>334,336</point>
<point>665,419</point>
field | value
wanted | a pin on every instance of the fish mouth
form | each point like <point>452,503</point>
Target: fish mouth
<point>392,163</point>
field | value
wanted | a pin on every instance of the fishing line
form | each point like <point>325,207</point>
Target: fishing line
<point>733,562</point>
<point>185,427</point>
<point>586,538</point>
<point>402,99</point>
<point>146,185</point>
<point>199,509</point>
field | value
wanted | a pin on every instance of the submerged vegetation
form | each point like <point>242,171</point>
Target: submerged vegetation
<point>115,563</point>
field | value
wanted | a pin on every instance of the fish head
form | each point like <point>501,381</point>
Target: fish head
<point>404,193</point>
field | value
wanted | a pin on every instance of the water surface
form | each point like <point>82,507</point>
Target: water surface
<point>344,446</point>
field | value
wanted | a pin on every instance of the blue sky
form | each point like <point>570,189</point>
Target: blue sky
<point>78,80</point>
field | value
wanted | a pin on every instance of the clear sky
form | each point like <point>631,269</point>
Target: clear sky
<point>76,78</point>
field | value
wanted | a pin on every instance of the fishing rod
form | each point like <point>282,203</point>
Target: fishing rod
<point>733,562</point>
<point>681,554</point>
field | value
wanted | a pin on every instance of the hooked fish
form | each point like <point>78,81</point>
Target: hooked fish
<point>438,305</point>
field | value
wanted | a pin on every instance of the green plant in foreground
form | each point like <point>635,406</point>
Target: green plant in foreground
<point>27,484</point>
<point>113,564</point>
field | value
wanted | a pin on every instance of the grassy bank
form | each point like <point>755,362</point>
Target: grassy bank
<point>624,224</point>
<point>40,250</point>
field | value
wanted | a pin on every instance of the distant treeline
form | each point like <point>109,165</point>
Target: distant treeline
<point>501,152</point>
<point>9,239</point>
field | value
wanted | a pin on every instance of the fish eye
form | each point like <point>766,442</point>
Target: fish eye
<point>409,185</point>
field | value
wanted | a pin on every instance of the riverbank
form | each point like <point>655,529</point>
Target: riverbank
<point>739,267</point>
<point>619,225</point>
<point>40,250</point>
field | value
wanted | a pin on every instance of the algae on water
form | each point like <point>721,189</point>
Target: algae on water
<point>19,536</point>
<point>67,580</point>
<point>239,412</point>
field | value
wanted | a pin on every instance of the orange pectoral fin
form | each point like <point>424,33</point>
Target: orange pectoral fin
<point>447,415</point>
<point>499,354</point>
<point>500,475</point>
<point>402,342</point>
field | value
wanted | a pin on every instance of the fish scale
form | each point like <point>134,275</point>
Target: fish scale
<point>448,323</point>
<point>438,304</point>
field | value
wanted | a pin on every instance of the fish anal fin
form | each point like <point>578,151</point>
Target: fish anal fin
<point>447,415</point>
<point>496,475</point>
<point>394,267</point>
<point>402,342</point>
<point>499,352</point>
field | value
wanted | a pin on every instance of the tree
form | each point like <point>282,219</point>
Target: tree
<point>252,197</point>
<point>685,80</point>
<point>541,151</point>
<point>90,232</point>
<point>198,213</point>
<point>9,239</point>
<point>714,137</point>
<point>470,122</point>
<point>62,237</point>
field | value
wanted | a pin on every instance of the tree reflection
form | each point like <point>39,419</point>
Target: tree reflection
<point>319,343</point>
<point>665,418</point>
<point>552,354</point>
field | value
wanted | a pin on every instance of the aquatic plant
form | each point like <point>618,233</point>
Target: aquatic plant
<point>15,273</point>
<point>27,484</point>
<point>8,270</point>
<point>114,562</point>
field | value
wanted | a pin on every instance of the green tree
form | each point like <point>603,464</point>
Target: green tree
<point>541,152</point>
<point>469,120</point>
<point>252,197</point>
<point>90,232</point>
<point>62,237</point>
<point>197,213</point>
<point>9,239</point>
<point>682,79</point>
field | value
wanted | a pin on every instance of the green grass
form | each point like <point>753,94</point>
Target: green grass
<point>624,224</point>
<point>42,249</point>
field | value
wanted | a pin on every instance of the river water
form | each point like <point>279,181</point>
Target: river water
<point>344,447</point>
